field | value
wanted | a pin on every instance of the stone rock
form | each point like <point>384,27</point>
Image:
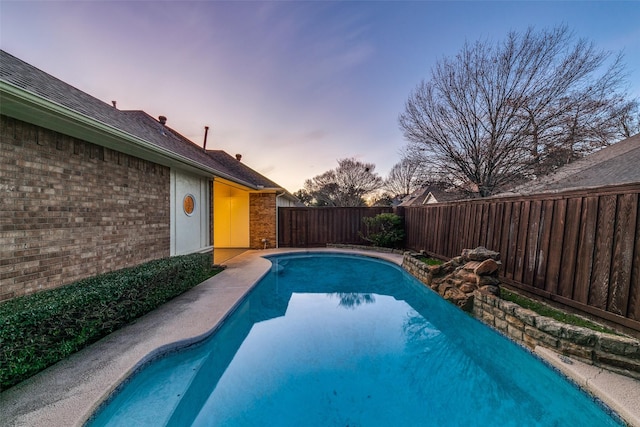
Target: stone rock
<point>443,288</point>
<point>580,336</point>
<point>490,289</point>
<point>428,279</point>
<point>447,267</point>
<point>468,288</point>
<point>467,277</point>
<point>466,304</point>
<point>454,294</point>
<point>456,282</point>
<point>435,269</point>
<point>488,266</point>
<point>550,326</point>
<point>487,280</point>
<point>620,345</point>
<point>457,261</point>
<point>471,265</point>
<point>480,254</point>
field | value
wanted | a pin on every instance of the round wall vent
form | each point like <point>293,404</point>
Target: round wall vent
<point>189,204</point>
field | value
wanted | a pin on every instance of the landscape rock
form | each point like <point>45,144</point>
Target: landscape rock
<point>457,279</point>
<point>486,267</point>
<point>472,265</point>
<point>480,254</point>
<point>490,289</point>
<point>487,280</point>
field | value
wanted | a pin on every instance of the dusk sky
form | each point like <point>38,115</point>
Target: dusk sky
<point>292,86</point>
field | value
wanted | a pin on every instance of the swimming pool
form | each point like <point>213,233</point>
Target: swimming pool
<point>336,340</point>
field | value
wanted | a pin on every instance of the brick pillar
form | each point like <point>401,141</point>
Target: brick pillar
<point>262,220</point>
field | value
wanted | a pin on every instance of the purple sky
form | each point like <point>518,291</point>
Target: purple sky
<point>292,86</point>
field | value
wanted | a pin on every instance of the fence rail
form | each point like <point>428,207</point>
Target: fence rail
<point>579,248</point>
<point>303,227</point>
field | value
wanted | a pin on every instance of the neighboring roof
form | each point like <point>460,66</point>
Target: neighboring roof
<point>142,127</point>
<point>431,194</point>
<point>612,165</point>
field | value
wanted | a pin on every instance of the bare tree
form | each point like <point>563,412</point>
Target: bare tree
<point>404,177</point>
<point>630,119</point>
<point>497,114</point>
<point>304,197</point>
<point>347,185</point>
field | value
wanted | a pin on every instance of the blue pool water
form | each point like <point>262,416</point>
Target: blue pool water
<point>336,340</point>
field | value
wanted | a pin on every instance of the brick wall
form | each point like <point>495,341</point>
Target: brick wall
<point>70,209</point>
<point>262,220</point>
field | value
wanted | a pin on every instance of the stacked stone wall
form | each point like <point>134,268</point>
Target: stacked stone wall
<point>614,352</point>
<point>71,209</point>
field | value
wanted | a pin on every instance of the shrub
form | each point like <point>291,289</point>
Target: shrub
<point>41,329</point>
<point>385,230</point>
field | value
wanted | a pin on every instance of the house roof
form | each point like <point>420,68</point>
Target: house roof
<point>217,159</point>
<point>27,90</point>
<point>236,167</point>
<point>612,165</point>
<point>440,194</point>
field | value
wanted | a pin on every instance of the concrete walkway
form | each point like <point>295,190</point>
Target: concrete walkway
<point>67,393</point>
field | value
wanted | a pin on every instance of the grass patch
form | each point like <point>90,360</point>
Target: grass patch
<point>545,310</point>
<point>41,329</point>
<point>429,261</point>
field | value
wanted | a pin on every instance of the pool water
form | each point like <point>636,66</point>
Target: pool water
<point>338,340</point>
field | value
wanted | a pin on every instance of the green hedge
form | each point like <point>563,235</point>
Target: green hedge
<point>41,329</point>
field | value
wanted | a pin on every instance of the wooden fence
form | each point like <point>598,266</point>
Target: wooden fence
<point>304,227</point>
<point>579,248</point>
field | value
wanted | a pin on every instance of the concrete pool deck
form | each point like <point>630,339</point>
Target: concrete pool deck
<point>67,393</point>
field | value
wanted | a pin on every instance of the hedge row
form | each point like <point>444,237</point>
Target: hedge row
<point>41,329</point>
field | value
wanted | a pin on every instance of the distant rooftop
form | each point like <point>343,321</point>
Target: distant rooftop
<point>616,164</point>
<point>431,194</point>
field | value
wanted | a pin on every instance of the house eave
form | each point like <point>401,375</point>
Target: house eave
<point>26,106</point>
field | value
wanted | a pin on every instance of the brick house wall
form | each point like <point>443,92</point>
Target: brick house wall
<point>262,220</point>
<point>70,209</point>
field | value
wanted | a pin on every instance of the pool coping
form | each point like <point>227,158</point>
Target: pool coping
<point>68,392</point>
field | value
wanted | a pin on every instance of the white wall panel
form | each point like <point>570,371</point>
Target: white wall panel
<point>189,232</point>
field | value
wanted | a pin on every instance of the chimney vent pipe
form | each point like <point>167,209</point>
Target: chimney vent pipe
<point>206,131</point>
<point>162,120</point>
<point>114,104</point>
<point>238,157</point>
